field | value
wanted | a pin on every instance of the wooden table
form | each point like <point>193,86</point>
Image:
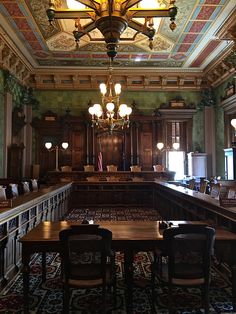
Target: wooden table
<point>128,237</point>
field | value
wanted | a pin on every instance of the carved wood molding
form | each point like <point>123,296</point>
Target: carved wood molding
<point>139,80</point>
<point>229,105</point>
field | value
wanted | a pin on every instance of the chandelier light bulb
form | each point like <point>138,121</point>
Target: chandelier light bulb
<point>91,110</point>
<point>97,108</point>
<point>110,106</point>
<point>99,113</point>
<point>123,110</point>
<point>129,111</point>
<point>117,88</point>
<point>103,88</point>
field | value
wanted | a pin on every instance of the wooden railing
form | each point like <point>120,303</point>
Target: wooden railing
<point>26,212</point>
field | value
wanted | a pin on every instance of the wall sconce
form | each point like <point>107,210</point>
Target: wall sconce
<point>49,147</point>
<point>175,146</point>
<point>233,123</point>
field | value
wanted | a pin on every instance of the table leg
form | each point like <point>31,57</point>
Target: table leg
<point>25,271</point>
<point>128,266</point>
<point>233,271</point>
<point>43,266</point>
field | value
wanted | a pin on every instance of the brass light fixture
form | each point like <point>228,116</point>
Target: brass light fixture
<point>112,17</point>
<point>110,115</point>
<point>175,146</point>
<point>49,147</point>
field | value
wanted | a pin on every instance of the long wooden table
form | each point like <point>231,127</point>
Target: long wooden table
<point>128,237</point>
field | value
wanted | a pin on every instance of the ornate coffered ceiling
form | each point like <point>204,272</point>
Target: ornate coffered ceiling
<point>193,55</point>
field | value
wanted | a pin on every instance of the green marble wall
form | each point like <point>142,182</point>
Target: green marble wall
<point>146,103</point>
<point>77,101</point>
<point>1,121</point>
<point>219,120</point>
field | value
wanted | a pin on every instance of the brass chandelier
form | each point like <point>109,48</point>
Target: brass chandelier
<point>110,115</point>
<point>112,17</point>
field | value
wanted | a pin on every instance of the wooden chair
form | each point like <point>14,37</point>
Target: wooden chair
<point>111,168</point>
<point>89,168</point>
<point>135,168</point>
<point>188,250</point>
<point>203,185</point>
<point>66,168</point>
<point>34,183</point>
<point>3,195</point>
<point>191,184</point>
<point>215,190</point>
<point>26,187</point>
<point>159,168</point>
<point>87,261</point>
<point>14,189</point>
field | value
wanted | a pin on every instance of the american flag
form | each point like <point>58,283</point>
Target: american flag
<point>100,161</point>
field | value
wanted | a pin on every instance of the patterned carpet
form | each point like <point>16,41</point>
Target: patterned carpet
<point>47,297</point>
<point>110,214</point>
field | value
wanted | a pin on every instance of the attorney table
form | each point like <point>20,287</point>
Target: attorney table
<point>127,236</point>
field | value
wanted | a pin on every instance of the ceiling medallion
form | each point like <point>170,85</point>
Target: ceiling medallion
<point>112,18</point>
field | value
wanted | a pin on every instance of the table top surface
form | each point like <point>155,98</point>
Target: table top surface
<point>121,231</point>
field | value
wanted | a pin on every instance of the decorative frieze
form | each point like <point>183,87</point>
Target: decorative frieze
<point>12,62</point>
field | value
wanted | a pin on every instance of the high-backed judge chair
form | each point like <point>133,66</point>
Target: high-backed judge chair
<point>87,261</point>
<point>159,168</point>
<point>111,168</point>
<point>66,168</point>
<point>185,260</point>
<point>135,168</point>
<point>89,168</point>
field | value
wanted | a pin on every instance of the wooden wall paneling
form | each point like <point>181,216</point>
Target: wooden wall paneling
<point>131,144</point>
<point>146,145</point>
<point>127,150</point>
<point>137,155</point>
<point>112,148</point>
<point>78,143</point>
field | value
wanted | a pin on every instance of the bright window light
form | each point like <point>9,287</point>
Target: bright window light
<point>176,163</point>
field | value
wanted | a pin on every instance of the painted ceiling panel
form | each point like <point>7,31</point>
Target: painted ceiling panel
<point>187,46</point>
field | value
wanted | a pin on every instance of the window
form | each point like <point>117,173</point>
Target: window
<point>175,162</point>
